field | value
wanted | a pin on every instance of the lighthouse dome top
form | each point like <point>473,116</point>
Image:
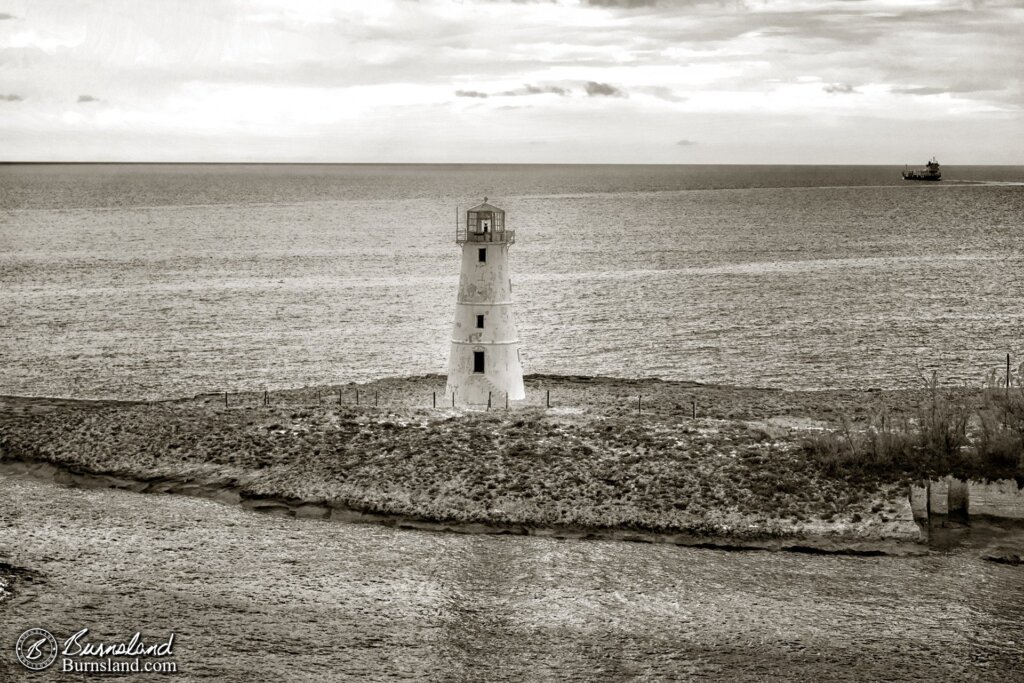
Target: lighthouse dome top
<point>486,207</point>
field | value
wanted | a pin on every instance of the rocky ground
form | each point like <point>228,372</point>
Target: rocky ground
<point>607,454</point>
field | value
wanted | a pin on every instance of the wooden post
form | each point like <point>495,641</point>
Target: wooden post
<point>375,398</point>
<point>357,395</point>
<point>506,400</point>
<point>639,405</point>
<point>1007,371</point>
<point>453,399</point>
<point>225,399</point>
<point>488,400</point>
<point>435,399</point>
<point>339,397</point>
<point>319,400</point>
<point>693,405</point>
<point>266,398</point>
<point>549,398</point>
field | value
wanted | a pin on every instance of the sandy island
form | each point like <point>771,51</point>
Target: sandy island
<point>610,458</point>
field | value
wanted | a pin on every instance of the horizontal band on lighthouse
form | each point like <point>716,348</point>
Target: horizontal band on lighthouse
<point>485,343</point>
<point>484,303</point>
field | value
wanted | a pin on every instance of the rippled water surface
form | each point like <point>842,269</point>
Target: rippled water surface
<point>164,280</point>
<point>280,598</point>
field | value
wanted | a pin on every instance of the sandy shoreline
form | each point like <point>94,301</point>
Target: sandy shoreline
<point>908,543</point>
<point>611,458</point>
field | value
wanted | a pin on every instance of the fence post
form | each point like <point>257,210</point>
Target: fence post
<point>225,399</point>
<point>375,398</point>
<point>1007,371</point>
<point>693,405</point>
<point>639,405</point>
<point>319,399</point>
<point>266,398</point>
<point>549,398</point>
<point>506,400</point>
<point>488,400</point>
<point>453,399</point>
<point>435,399</point>
<point>339,397</point>
<point>357,395</point>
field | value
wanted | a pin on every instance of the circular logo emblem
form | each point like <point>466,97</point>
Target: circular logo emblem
<point>36,649</point>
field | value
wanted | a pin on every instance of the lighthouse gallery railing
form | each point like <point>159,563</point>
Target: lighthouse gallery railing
<point>464,234</point>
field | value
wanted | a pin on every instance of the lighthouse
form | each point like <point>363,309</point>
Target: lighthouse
<point>484,362</point>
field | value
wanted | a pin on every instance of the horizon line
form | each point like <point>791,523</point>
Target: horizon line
<point>447,163</point>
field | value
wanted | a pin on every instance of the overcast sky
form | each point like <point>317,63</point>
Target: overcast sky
<point>617,81</point>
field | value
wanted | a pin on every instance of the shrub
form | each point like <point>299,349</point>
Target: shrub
<point>936,442</point>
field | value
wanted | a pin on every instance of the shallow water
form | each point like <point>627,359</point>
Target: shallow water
<point>292,599</point>
<point>153,281</point>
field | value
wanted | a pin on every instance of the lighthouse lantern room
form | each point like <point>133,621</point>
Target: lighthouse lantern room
<point>484,361</point>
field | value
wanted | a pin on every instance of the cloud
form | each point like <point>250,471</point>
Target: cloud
<point>203,83</point>
<point>923,90</point>
<point>536,90</point>
<point>661,92</point>
<point>628,4</point>
<point>5,15</point>
<point>839,89</point>
<point>595,89</point>
<point>11,98</point>
<point>518,92</point>
<point>686,143</point>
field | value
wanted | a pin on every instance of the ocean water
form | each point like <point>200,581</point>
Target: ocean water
<point>167,280</point>
<point>254,596</point>
<point>150,281</point>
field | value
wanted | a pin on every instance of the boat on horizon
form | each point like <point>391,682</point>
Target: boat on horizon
<point>929,172</point>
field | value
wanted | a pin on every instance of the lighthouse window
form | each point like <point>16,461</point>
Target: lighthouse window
<point>483,254</point>
<point>478,361</point>
<point>480,322</point>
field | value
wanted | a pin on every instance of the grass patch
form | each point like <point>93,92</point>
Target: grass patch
<point>945,436</point>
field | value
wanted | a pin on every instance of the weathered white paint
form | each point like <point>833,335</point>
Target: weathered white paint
<point>919,501</point>
<point>941,497</point>
<point>938,497</point>
<point>485,288</point>
<point>958,496</point>
<point>1000,498</point>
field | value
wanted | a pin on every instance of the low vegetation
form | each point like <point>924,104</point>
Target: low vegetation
<point>834,462</point>
<point>707,477</point>
<point>949,435</point>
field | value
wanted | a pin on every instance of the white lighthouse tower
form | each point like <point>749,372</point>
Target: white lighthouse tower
<point>484,361</point>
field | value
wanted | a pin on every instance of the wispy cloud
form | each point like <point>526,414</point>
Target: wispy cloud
<point>87,98</point>
<point>536,90</point>
<point>839,89</point>
<point>517,92</point>
<point>595,89</point>
<point>686,143</point>
<point>5,15</point>
<point>629,4</point>
<point>11,98</point>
